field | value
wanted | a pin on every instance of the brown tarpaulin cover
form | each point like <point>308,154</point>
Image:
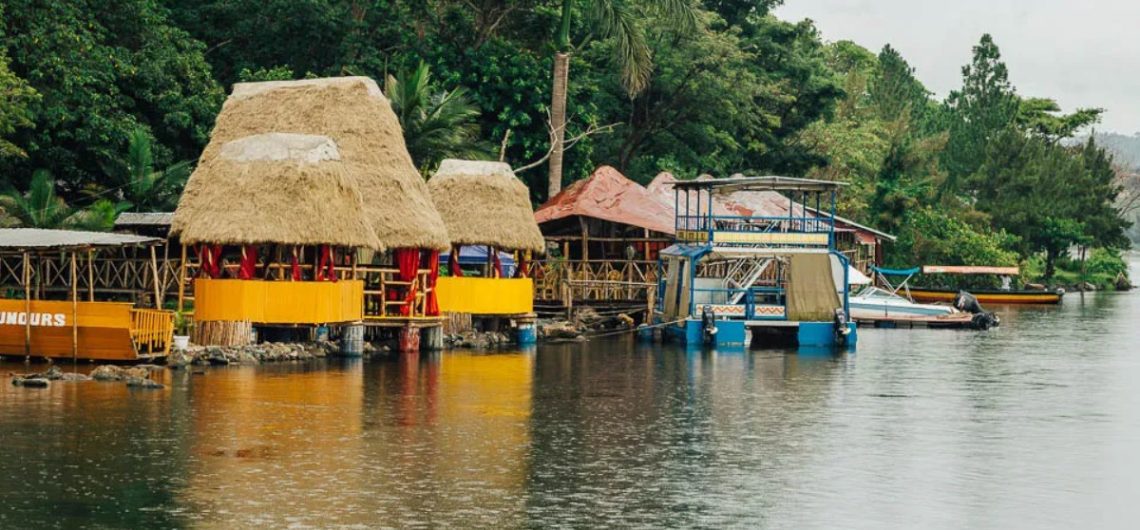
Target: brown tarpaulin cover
<point>811,290</point>
<point>609,196</point>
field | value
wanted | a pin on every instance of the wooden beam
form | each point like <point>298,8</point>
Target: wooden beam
<point>585,239</point>
<point>90,275</point>
<point>154,275</point>
<point>27,306</point>
<point>74,308</point>
<point>182,282</point>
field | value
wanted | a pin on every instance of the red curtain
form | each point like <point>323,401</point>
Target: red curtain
<point>210,257</point>
<point>497,265</point>
<point>407,261</point>
<point>522,266</point>
<point>433,302</point>
<point>453,263</point>
<point>248,262</point>
<point>326,270</point>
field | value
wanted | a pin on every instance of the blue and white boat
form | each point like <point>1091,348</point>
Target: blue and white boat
<point>877,303</point>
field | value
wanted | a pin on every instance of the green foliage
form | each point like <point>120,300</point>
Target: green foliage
<point>140,187</point>
<point>104,69</point>
<point>38,207</point>
<point>15,98</point>
<point>930,236</point>
<point>437,124</point>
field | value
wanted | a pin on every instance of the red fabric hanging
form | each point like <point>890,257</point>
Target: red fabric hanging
<point>296,266</point>
<point>248,262</point>
<point>453,263</point>
<point>432,301</point>
<point>497,265</point>
<point>209,258</point>
<point>408,261</point>
<point>326,271</point>
<point>523,268</point>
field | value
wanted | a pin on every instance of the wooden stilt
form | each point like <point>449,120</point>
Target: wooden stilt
<point>182,282</point>
<point>27,305</point>
<point>154,275</point>
<point>90,275</point>
<point>74,308</point>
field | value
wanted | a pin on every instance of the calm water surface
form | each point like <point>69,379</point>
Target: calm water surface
<point>1032,425</point>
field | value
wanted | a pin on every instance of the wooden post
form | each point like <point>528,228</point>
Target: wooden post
<point>27,305</point>
<point>74,307</point>
<point>182,282</point>
<point>488,268</point>
<point>154,275</point>
<point>90,275</point>
<point>585,240</point>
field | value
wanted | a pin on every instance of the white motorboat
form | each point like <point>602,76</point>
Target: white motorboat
<point>874,302</point>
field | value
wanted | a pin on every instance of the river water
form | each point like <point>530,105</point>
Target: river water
<point>1035,424</point>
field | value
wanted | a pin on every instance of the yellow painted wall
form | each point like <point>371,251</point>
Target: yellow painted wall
<point>768,238</point>
<point>278,302</point>
<point>485,296</point>
<point>103,334</point>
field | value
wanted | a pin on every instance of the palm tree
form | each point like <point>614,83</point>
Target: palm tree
<point>437,124</point>
<point>612,19</point>
<point>39,207</point>
<point>143,188</point>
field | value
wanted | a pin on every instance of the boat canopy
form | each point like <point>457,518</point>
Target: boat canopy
<point>943,269</point>
<point>856,277</point>
<point>896,272</point>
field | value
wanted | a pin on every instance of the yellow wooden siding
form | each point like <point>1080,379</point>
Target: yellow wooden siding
<point>105,329</point>
<point>278,302</point>
<point>486,296</point>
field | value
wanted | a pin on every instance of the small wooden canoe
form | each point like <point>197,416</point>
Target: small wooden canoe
<point>989,296</point>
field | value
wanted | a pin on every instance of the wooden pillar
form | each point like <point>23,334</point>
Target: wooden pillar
<point>182,282</point>
<point>74,307</point>
<point>409,339</point>
<point>154,275</point>
<point>90,275</point>
<point>27,305</point>
<point>488,268</point>
<point>585,239</point>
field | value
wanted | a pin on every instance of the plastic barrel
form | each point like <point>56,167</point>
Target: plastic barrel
<point>527,334</point>
<point>352,340</point>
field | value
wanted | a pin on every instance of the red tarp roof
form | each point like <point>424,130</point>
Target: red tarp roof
<point>609,196</point>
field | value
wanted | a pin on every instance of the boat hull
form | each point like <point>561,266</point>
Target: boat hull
<point>989,297</point>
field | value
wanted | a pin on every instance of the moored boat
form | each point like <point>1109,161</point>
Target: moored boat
<point>874,302</point>
<point>990,296</point>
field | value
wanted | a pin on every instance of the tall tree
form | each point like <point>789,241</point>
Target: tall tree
<point>15,99</point>
<point>981,110</point>
<point>38,207</point>
<point>614,19</point>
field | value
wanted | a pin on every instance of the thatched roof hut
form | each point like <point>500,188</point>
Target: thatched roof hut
<point>316,161</point>
<point>483,203</point>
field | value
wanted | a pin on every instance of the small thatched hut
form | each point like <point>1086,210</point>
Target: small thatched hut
<point>483,203</point>
<point>297,178</point>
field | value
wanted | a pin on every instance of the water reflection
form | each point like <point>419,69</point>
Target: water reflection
<point>1031,424</point>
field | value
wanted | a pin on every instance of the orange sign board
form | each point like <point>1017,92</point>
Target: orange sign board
<point>104,329</point>
<point>953,269</point>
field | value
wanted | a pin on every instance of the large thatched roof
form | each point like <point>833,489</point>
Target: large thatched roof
<point>483,203</point>
<point>317,161</point>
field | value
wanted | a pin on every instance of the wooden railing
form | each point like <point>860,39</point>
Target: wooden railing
<point>118,275</point>
<point>151,331</point>
<point>569,281</point>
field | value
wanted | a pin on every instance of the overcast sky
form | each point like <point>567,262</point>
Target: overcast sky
<point>1083,53</point>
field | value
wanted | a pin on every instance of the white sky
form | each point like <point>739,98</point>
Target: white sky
<point>1080,53</point>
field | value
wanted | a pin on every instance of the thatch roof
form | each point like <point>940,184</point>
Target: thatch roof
<point>316,161</point>
<point>483,203</point>
<point>608,195</point>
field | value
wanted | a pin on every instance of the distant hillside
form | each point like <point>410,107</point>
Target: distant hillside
<point>1125,149</point>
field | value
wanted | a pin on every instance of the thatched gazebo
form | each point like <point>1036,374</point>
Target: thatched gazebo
<point>300,180</point>
<point>483,203</point>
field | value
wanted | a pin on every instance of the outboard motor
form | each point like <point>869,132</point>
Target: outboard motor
<point>708,324</point>
<point>842,330</point>
<point>983,319</point>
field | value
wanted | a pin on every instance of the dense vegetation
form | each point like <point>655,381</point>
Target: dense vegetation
<point>106,103</point>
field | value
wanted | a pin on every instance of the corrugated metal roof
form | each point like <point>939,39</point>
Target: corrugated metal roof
<point>144,219</point>
<point>609,196</point>
<point>42,239</point>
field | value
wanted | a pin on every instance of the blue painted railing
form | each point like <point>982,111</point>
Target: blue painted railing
<point>766,296</point>
<point>724,223</point>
